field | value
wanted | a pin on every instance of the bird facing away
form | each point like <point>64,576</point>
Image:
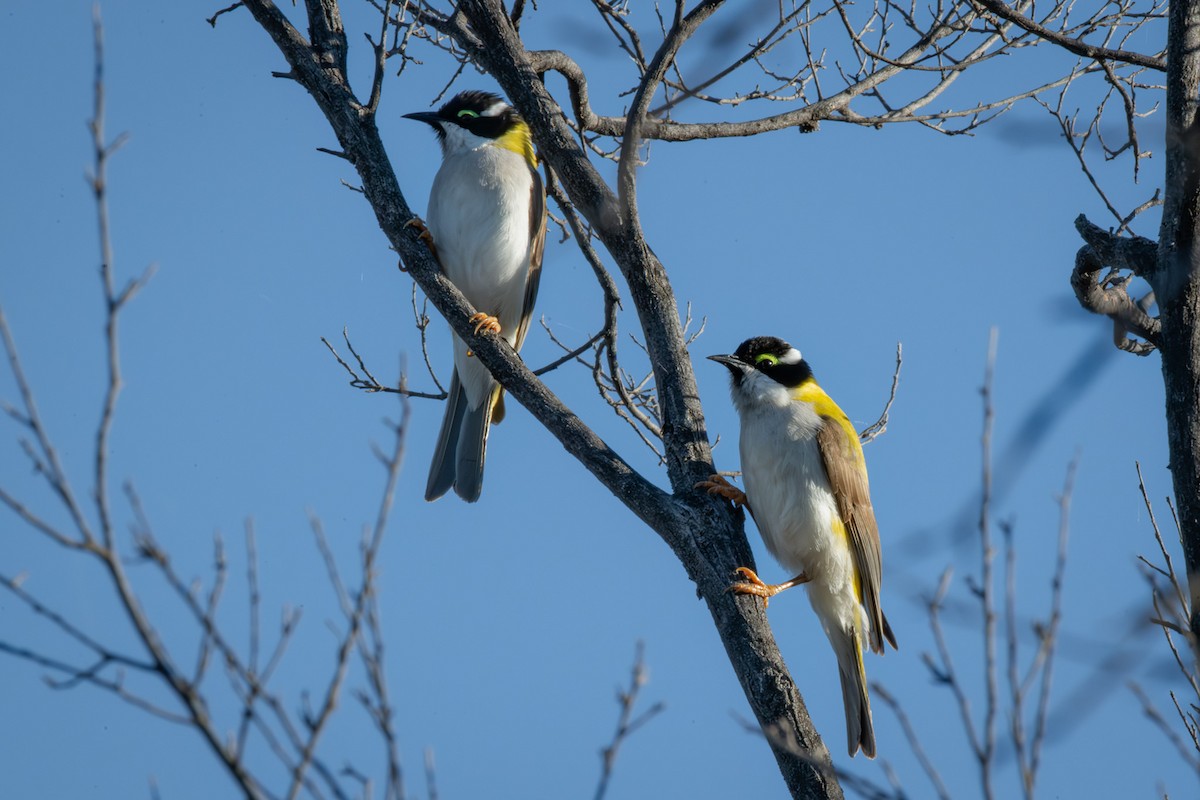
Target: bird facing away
<point>806,488</point>
<point>487,222</point>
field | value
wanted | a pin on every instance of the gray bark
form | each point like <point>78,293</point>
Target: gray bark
<point>1171,267</point>
<point>1176,284</point>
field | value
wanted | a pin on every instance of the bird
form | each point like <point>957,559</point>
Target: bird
<point>486,225</point>
<point>806,489</point>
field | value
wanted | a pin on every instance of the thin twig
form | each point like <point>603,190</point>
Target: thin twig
<point>986,755</point>
<point>914,741</point>
<point>879,427</point>
<point>627,724</point>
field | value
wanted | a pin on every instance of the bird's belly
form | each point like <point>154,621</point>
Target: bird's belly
<point>797,524</point>
<point>478,215</point>
<point>802,529</point>
<point>795,510</point>
<point>481,231</point>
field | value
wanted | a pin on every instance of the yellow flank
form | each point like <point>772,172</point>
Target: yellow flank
<point>810,392</point>
<point>497,404</point>
<point>839,531</point>
<point>518,140</point>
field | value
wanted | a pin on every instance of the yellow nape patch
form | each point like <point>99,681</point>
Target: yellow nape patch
<point>518,140</point>
<point>810,392</point>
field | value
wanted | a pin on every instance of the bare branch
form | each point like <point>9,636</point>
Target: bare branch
<point>627,724</point>
<point>1110,297</point>
<point>879,427</point>
<point>370,383</point>
<point>986,753</point>
<point>914,741</point>
<point>213,19</point>
<point>1076,46</point>
<point>381,57</point>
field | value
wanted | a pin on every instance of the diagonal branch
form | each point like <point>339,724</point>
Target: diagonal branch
<point>1070,44</point>
<point>360,139</point>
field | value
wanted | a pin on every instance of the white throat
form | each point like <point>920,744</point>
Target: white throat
<point>460,140</point>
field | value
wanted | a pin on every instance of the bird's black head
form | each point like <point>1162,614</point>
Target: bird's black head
<point>480,113</point>
<point>769,355</point>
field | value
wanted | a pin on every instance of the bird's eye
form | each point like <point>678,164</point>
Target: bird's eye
<point>467,113</point>
<point>766,360</point>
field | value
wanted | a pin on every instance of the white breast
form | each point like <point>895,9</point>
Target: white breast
<point>479,218</point>
<point>794,508</point>
<point>786,482</point>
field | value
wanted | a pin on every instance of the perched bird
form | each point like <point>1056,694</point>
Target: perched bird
<point>487,221</point>
<point>806,488</point>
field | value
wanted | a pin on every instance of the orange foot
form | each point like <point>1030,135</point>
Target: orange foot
<point>756,587</point>
<point>716,484</point>
<point>485,322</point>
<point>422,233</point>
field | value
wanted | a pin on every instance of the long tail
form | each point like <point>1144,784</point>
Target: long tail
<point>443,468</point>
<point>458,457</point>
<point>472,449</point>
<point>859,731</point>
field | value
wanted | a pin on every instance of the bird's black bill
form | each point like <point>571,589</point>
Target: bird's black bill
<point>735,365</point>
<point>428,117</point>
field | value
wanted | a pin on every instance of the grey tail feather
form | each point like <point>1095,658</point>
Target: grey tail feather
<point>859,730</point>
<point>472,444</point>
<point>887,633</point>
<point>442,470</point>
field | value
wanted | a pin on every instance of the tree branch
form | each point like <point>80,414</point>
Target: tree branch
<point>1071,45</point>
<point>1109,296</point>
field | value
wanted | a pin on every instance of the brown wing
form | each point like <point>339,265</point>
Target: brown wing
<point>537,247</point>
<point>847,472</point>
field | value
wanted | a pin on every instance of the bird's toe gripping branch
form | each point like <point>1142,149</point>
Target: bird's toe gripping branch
<point>717,485</point>
<point>485,322</point>
<point>754,585</point>
<point>422,233</point>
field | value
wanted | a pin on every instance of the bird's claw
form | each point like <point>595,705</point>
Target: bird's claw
<point>485,322</point>
<point>756,586</point>
<point>422,233</point>
<point>717,485</point>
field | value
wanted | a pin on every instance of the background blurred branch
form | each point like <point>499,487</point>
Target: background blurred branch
<point>138,675</point>
<point>627,723</point>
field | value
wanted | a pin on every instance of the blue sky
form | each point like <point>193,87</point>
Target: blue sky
<point>511,621</point>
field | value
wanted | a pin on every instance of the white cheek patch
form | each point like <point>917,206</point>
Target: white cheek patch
<point>495,109</point>
<point>792,356</point>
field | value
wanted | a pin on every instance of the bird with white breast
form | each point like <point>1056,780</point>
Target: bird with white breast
<point>487,225</point>
<point>807,491</point>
